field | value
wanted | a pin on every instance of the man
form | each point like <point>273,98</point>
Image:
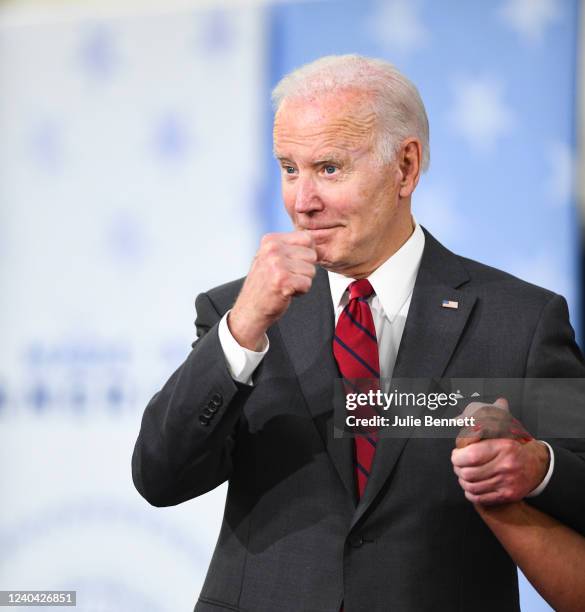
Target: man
<point>314,522</point>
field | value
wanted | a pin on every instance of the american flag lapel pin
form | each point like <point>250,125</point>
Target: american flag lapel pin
<point>450,304</point>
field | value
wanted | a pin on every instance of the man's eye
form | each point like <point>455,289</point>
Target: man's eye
<point>289,169</point>
<point>329,169</point>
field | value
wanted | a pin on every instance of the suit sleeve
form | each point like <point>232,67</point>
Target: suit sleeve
<point>554,354</point>
<point>187,435</point>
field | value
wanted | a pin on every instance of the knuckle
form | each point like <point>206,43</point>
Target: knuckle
<point>270,249</point>
<point>305,283</point>
<point>279,278</point>
<point>275,263</point>
<point>472,455</point>
<point>465,473</point>
<point>269,244</point>
<point>287,290</point>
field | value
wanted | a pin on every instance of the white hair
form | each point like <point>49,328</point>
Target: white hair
<point>395,100</point>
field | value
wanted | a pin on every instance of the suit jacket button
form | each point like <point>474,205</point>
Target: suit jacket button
<point>204,420</point>
<point>217,399</point>
<point>356,541</point>
<point>208,412</point>
<point>212,408</point>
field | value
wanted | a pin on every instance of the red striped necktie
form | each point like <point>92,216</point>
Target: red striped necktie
<point>355,348</point>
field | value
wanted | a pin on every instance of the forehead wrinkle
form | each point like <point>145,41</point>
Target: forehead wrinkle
<point>345,132</point>
<point>355,127</point>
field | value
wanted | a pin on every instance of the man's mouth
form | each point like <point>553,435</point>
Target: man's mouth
<point>321,228</point>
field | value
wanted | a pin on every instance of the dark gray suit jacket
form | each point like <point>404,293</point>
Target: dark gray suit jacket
<point>294,538</point>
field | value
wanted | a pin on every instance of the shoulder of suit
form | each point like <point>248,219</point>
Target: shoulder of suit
<point>489,280</point>
<point>224,296</point>
<point>486,281</point>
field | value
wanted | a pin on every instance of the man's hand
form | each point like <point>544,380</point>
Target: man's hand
<point>491,421</point>
<point>497,461</point>
<point>284,266</point>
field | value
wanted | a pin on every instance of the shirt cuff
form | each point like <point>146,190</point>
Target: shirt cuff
<point>241,362</point>
<point>540,488</point>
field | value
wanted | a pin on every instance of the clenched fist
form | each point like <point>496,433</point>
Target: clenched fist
<point>283,267</point>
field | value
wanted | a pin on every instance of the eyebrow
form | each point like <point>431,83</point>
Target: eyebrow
<point>328,158</point>
<point>318,162</point>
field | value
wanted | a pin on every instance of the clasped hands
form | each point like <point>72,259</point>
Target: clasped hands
<point>497,461</point>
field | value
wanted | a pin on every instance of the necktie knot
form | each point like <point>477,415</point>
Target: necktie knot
<point>360,289</point>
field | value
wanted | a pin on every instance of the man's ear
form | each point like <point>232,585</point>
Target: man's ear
<point>409,163</point>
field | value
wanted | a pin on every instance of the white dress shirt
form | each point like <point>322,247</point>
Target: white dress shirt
<point>393,284</point>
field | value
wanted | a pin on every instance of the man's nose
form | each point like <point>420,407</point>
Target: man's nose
<point>307,198</point>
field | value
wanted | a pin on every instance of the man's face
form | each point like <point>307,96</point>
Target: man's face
<point>334,186</point>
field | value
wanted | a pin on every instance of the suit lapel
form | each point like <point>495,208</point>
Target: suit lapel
<point>307,332</point>
<point>430,337</point>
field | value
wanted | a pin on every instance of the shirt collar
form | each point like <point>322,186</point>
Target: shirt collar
<point>393,281</point>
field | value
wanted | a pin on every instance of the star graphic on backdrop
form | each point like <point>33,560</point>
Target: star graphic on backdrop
<point>171,138</point>
<point>115,397</point>
<point>396,26</point>
<point>479,113</point>
<point>125,238</point>
<point>97,53</point>
<point>218,32</point>
<point>530,18</point>
<point>563,172</point>
<point>39,397</point>
<point>46,144</point>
